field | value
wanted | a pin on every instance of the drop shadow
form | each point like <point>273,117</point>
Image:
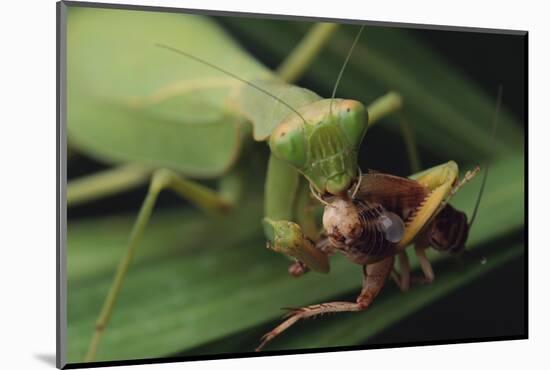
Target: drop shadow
<point>47,358</point>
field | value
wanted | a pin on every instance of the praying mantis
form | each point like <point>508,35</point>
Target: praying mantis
<point>103,123</point>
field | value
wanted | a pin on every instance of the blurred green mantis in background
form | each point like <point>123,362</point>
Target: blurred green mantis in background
<point>165,119</point>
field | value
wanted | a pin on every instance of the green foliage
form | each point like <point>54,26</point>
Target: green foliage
<point>440,100</point>
<point>207,285</point>
<point>132,101</point>
<point>129,100</point>
<point>197,280</point>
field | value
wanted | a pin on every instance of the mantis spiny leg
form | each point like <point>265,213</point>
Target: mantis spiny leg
<point>289,222</point>
<point>305,217</point>
<point>439,180</point>
<point>443,183</point>
<point>205,198</point>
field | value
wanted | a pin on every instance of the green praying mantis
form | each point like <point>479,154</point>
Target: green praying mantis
<point>171,125</point>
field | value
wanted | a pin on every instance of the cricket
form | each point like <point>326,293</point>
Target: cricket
<point>204,117</point>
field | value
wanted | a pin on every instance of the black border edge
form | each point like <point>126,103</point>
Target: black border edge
<point>61,176</point>
<point>61,12</point>
<point>225,356</point>
<point>526,182</point>
<point>166,9</point>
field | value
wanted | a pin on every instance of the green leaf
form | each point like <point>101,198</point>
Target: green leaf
<point>439,100</point>
<point>390,308</point>
<point>196,280</point>
<point>129,100</point>
<point>132,101</point>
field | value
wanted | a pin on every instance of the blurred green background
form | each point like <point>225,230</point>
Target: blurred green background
<point>203,285</point>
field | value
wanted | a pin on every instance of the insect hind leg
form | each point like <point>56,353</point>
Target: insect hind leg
<point>403,277</point>
<point>425,265</point>
<point>374,278</point>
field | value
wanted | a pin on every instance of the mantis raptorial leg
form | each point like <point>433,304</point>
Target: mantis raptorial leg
<point>441,183</point>
<point>125,177</point>
<point>207,199</point>
<point>281,189</point>
<point>286,203</point>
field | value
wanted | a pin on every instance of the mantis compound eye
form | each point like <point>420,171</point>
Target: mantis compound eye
<point>288,143</point>
<point>391,226</point>
<point>353,121</point>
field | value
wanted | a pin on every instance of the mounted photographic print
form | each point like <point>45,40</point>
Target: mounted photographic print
<point>229,177</point>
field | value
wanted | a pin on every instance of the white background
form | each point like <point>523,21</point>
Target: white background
<point>27,231</point>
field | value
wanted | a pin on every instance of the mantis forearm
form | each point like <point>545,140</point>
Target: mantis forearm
<point>285,202</point>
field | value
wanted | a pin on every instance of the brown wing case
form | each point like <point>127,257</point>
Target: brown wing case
<point>396,194</point>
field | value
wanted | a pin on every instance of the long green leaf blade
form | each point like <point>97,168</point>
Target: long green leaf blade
<point>191,273</point>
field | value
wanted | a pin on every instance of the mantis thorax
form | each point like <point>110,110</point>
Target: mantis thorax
<point>323,143</point>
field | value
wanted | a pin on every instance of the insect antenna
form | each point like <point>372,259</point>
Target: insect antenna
<point>486,172</point>
<point>202,61</point>
<point>318,196</point>
<point>344,67</point>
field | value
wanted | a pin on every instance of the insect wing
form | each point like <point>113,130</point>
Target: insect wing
<point>399,195</point>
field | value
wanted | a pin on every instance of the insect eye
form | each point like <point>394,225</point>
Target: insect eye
<point>353,121</point>
<point>392,226</point>
<point>288,143</point>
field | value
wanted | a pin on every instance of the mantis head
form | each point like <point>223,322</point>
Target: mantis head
<point>322,143</point>
<point>320,140</point>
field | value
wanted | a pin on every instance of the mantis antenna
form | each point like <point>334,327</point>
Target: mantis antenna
<point>493,132</point>
<point>202,61</point>
<point>317,196</point>
<point>344,67</point>
<point>336,87</point>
